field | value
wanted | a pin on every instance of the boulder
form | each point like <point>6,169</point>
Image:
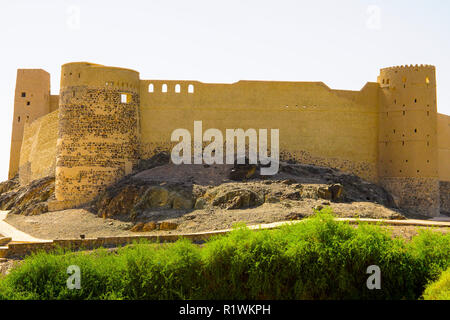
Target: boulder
<point>332,192</point>
<point>336,191</point>
<point>324,193</point>
<point>137,227</point>
<point>200,203</point>
<point>165,225</point>
<point>181,201</point>
<point>30,199</point>
<point>120,203</point>
<point>157,197</point>
<point>149,226</point>
<point>234,198</point>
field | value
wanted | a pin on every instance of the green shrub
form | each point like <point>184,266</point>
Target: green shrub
<point>319,258</point>
<point>439,290</point>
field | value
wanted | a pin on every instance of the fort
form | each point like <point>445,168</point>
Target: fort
<point>106,119</point>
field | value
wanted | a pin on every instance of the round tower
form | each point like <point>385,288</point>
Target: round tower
<point>98,132</point>
<point>408,162</point>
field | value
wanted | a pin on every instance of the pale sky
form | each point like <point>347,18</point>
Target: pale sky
<point>342,43</point>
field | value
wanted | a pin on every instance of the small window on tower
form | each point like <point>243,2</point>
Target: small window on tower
<point>28,103</point>
<point>164,88</point>
<point>124,98</point>
<point>191,88</point>
<point>177,88</point>
<point>150,87</point>
<point>24,94</point>
<point>427,80</point>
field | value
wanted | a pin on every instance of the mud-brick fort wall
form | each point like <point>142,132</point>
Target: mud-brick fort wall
<point>107,119</point>
<point>316,124</point>
<point>38,151</point>
<point>98,131</point>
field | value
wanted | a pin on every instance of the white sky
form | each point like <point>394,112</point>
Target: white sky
<point>342,43</point>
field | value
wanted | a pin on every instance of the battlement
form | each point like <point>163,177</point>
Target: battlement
<point>409,67</point>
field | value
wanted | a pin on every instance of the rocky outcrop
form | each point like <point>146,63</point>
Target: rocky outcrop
<point>136,196</point>
<point>444,188</point>
<point>9,185</point>
<point>231,196</point>
<point>160,186</point>
<point>30,199</point>
<point>152,226</point>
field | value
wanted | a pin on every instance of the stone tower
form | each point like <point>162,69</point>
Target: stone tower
<point>31,101</point>
<point>408,158</point>
<point>98,130</point>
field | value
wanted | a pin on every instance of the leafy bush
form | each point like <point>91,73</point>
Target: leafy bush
<point>439,290</point>
<point>319,258</point>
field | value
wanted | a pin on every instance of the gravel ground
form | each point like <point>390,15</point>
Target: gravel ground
<point>75,222</point>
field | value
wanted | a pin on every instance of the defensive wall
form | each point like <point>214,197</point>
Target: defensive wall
<point>389,132</point>
<point>38,152</point>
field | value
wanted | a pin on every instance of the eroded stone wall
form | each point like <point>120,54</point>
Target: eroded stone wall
<point>98,141</point>
<point>417,195</point>
<point>444,187</point>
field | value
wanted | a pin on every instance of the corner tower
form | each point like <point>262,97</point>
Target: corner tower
<point>31,101</point>
<point>408,161</point>
<point>98,131</point>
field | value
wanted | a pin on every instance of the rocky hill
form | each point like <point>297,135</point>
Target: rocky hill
<point>161,191</point>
